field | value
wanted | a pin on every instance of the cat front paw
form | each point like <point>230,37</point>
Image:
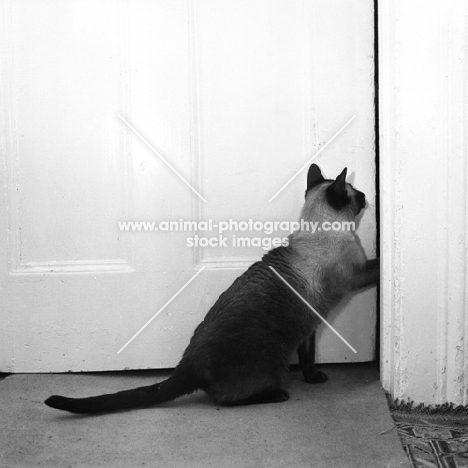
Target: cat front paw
<point>316,377</point>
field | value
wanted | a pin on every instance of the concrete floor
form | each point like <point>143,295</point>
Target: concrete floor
<point>344,422</point>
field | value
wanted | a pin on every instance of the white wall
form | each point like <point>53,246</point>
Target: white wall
<point>423,122</point>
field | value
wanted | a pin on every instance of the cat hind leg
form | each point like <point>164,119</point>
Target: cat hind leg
<point>273,395</point>
<point>247,390</point>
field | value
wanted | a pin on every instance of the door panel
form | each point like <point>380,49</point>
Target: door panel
<point>236,96</point>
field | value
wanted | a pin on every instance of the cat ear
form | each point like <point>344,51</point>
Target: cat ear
<point>341,179</point>
<point>336,193</point>
<point>314,177</point>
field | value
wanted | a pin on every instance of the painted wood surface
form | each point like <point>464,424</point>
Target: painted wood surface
<point>236,96</point>
<point>423,125</point>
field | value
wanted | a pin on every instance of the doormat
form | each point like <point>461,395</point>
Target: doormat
<point>432,436</point>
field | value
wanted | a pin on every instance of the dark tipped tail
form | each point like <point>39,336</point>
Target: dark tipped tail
<point>172,388</point>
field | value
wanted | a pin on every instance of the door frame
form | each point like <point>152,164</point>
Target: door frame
<point>423,76</point>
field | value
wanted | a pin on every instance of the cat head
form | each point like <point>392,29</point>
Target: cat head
<point>334,196</point>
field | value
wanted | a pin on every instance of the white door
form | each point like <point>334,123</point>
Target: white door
<point>234,95</point>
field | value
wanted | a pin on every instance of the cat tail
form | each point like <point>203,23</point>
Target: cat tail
<point>180,383</point>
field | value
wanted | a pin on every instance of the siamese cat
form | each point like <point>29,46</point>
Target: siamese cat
<point>240,353</point>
